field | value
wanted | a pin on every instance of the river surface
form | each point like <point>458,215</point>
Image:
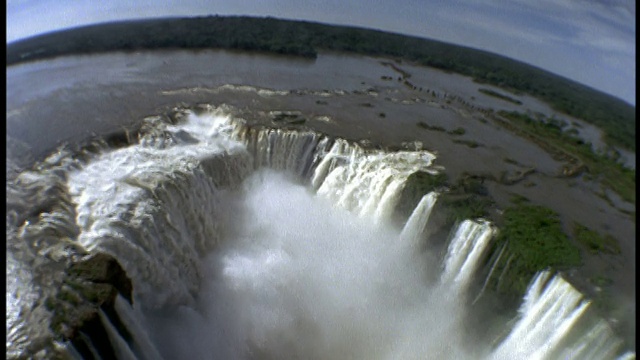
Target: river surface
<point>71,99</point>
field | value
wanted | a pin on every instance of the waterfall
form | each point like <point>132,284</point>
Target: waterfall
<point>155,209</point>
<point>120,347</point>
<point>547,316</point>
<point>293,151</point>
<point>157,206</point>
<point>465,252</point>
<point>369,183</point>
<point>629,355</point>
<point>417,222</point>
<point>141,343</point>
<point>597,343</point>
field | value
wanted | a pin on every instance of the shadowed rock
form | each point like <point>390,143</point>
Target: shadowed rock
<point>90,286</point>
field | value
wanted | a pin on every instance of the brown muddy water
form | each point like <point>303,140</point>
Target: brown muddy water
<point>70,99</point>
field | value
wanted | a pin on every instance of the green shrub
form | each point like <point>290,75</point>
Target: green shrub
<point>594,242</point>
<point>534,241</point>
<point>470,143</point>
<point>424,125</point>
<point>500,96</point>
<point>419,184</point>
<point>457,131</point>
<point>466,206</point>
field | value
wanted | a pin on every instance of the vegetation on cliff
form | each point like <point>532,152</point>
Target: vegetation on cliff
<point>551,135</point>
<point>90,286</point>
<point>534,241</point>
<point>467,198</point>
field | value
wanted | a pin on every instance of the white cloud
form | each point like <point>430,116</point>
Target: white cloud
<point>586,41</point>
<point>553,34</point>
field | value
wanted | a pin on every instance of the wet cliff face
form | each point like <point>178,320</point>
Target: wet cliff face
<point>150,204</point>
<point>125,175</point>
<point>151,199</point>
<point>90,287</point>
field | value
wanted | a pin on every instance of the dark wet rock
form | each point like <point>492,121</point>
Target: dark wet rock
<point>573,170</point>
<point>90,287</point>
<point>153,133</point>
<point>519,175</point>
<point>158,140</point>
<point>201,109</point>
<point>418,184</point>
<point>366,143</point>
<point>287,117</point>
<point>412,145</point>
<point>103,269</point>
<point>183,137</point>
<point>119,139</point>
<point>285,114</point>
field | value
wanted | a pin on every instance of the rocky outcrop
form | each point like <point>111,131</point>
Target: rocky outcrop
<point>514,178</point>
<point>572,170</point>
<point>90,287</point>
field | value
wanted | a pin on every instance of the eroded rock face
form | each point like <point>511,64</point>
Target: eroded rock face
<point>90,286</point>
<point>102,269</point>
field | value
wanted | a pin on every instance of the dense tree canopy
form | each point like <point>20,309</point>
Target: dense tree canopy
<point>615,117</point>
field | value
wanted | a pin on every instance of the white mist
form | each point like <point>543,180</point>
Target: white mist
<point>295,274</point>
<point>300,278</point>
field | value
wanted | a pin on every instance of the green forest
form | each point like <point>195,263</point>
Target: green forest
<point>614,116</point>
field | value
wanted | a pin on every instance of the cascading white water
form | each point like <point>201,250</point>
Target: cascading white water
<point>133,321</point>
<point>119,345</point>
<point>548,314</point>
<point>154,208</point>
<point>367,183</point>
<point>418,220</point>
<point>597,343</point>
<point>280,149</point>
<point>307,279</point>
<point>464,253</point>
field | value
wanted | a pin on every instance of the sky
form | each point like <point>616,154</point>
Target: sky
<point>590,41</point>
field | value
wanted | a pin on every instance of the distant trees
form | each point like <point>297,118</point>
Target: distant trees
<point>305,39</point>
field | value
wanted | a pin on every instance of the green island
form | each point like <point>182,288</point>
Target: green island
<point>594,242</point>
<point>534,240</point>
<point>531,237</point>
<point>551,136</point>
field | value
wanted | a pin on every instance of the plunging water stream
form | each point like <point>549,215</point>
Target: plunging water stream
<point>268,243</point>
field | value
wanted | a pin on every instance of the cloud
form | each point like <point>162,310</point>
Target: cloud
<point>591,42</point>
<point>552,34</point>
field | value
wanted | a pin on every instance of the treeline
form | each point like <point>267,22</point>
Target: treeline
<point>500,96</point>
<point>615,117</point>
